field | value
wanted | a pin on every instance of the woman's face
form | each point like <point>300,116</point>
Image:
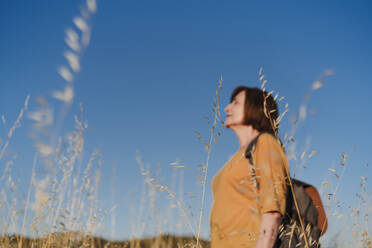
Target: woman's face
<point>235,110</point>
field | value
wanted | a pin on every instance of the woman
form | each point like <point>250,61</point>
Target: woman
<point>249,198</point>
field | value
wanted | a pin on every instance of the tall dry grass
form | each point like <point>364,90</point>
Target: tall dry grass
<point>62,208</point>
<point>358,224</point>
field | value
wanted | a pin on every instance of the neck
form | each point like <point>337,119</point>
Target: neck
<point>245,134</point>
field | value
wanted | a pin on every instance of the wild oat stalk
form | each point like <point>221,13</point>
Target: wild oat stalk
<point>212,139</point>
<point>275,127</point>
<point>16,125</point>
<point>8,200</point>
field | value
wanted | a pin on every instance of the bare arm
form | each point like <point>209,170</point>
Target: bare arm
<point>268,230</point>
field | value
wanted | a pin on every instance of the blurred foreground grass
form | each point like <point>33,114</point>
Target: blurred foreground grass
<point>80,240</point>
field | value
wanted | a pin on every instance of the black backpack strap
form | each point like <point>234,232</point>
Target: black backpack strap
<point>251,147</point>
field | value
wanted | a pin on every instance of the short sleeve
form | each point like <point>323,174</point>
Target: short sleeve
<point>271,171</point>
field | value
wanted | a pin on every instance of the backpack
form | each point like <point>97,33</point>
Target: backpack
<point>311,212</point>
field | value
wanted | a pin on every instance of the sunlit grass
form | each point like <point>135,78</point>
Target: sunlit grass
<point>62,206</point>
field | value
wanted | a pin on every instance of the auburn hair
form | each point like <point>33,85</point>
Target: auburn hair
<point>256,102</point>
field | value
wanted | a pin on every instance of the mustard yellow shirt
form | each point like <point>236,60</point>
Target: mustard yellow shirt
<point>243,191</point>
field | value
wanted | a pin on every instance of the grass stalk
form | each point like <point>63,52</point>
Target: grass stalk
<point>209,145</point>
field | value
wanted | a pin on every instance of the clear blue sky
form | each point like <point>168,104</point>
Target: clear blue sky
<point>151,70</point>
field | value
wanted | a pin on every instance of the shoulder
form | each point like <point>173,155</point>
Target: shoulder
<point>267,139</point>
<point>269,145</point>
<point>269,148</point>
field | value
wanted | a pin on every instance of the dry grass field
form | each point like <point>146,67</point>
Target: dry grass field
<point>61,208</point>
<point>79,240</point>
